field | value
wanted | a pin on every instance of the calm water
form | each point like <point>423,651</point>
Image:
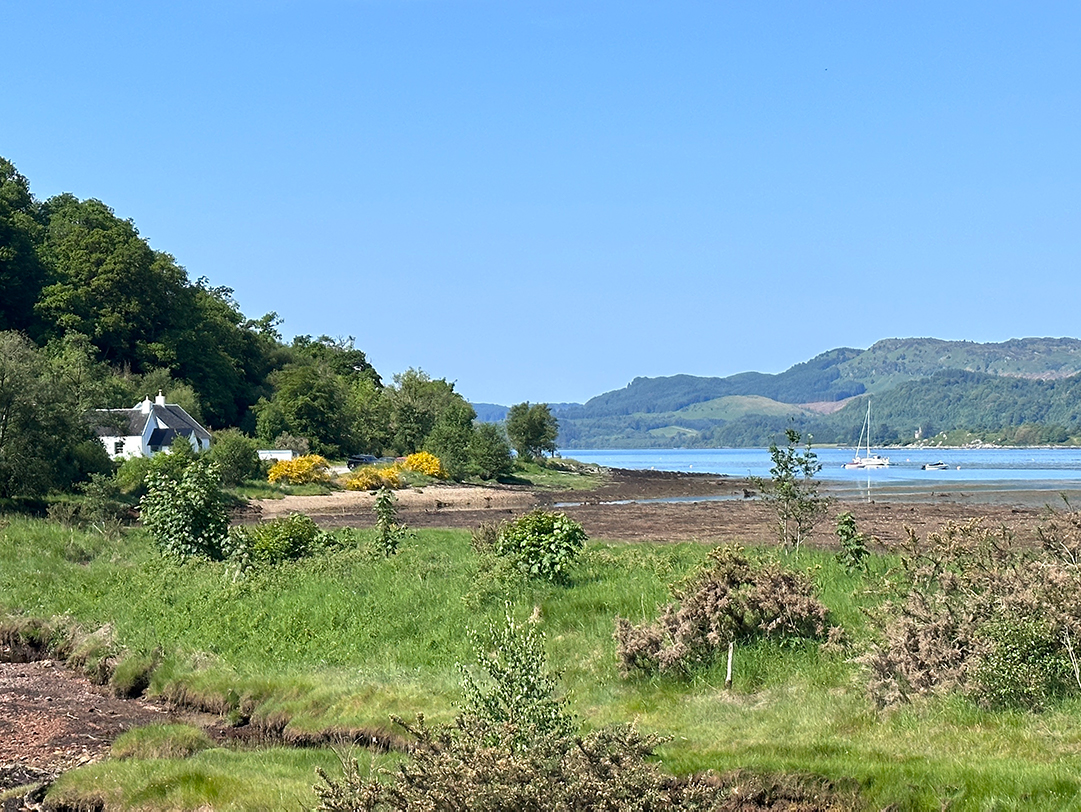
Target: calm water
<point>973,472</point>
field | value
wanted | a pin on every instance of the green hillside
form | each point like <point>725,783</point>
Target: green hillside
<point>1018,391</point>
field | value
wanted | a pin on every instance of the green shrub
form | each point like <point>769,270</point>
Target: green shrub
<point>132,474</point>
<point>853,550</point>
<point>542,544</point>
<point>388,532</point>
<point>237,456</point>
<point>1023,666</point>
<point>186,516</point>
<point>489,452</point>
<point>283,539</point>
<point>516,699</point>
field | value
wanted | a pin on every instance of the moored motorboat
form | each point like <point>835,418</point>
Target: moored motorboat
<point>935,466</point>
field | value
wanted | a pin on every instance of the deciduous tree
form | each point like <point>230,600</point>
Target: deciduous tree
<point>532,429</point>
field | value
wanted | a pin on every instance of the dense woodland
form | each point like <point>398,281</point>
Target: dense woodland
<point>93,317</point>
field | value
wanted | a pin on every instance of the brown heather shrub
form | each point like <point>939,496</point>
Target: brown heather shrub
<point>729,600</point>
<point>608,770</point>
<point>985,615</point>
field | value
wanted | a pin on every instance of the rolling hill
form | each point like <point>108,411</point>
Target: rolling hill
<point>1022,390</point>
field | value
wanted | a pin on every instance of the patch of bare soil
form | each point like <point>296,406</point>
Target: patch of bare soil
<point>52,719</point>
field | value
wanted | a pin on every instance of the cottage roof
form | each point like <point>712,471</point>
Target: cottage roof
<point>132,422</point>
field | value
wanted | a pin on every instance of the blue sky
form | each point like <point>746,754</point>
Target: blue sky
<point>544,200</point>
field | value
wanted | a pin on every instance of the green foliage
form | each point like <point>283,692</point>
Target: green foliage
<point>516,699</point>
<point>284,539</point>
<point>417,403</point>
<point>489,453</point>
<point>542,544</point>
<point>132,475</point>
<point>792,490</point>
<point>310,401</point>
<point>236,455</point>
<point>388,532</point>
<point>853,553</point>
<point>186,515</point>
<point>451,439</point>
<point>22,274</point>
<point>532,429</point>
<point>1023,665</point>
<point>44,443</point>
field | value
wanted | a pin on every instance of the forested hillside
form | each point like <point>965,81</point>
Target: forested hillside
<point>1019,391</point>
<point>93,317</point>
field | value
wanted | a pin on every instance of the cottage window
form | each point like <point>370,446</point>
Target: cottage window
<point>118,447</point>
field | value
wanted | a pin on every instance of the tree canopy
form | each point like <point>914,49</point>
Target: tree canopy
<point>532,429</point>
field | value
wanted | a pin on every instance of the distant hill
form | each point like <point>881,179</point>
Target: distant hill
<point>920,386</point>
<point>494,413</point>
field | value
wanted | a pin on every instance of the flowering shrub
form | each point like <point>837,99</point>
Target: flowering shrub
<point>371,478</point>
<point>424,463</point>
<point>300,471</point>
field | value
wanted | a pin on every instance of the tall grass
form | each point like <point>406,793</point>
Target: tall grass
<point>345,640</point>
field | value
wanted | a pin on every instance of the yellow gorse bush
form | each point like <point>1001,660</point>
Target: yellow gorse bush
<point>424,463</point>
<point>300,471</point>
<point>370,478</point>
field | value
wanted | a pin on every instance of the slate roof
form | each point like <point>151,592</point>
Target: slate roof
<point>132,422</point>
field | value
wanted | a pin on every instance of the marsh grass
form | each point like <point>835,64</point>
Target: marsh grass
<point>342,641</point>
<point>557,475</point>
<point>217,778</point>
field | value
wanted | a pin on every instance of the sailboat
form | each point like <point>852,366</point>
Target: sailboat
<point>868,460</point>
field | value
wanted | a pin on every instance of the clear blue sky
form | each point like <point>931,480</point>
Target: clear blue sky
<point>543,200</point>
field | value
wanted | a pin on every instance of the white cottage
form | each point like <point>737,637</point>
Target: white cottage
<point>148,428</point>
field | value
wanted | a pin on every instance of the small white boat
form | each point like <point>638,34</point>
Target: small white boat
<point>868,460</point>
<point>935,466</point>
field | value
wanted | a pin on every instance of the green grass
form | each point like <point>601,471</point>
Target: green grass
<point>221,779</point>
<point>548,477</point>
<point>261,489</point>
<point>344,641</point>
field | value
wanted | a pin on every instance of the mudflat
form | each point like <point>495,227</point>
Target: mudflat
<point>676,506</point>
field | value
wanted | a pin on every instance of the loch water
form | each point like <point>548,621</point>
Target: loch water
<point>987,471</point>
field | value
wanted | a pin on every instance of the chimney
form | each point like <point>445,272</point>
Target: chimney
<point>144,407</point>
<point>160,399</point>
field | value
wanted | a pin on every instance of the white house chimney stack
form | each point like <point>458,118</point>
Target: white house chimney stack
<point>160,399</point>
<point>144,407</point>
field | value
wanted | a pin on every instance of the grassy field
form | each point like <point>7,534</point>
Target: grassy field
<point>342,641</point>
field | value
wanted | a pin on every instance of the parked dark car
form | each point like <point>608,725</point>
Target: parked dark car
<point>360,459</point>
